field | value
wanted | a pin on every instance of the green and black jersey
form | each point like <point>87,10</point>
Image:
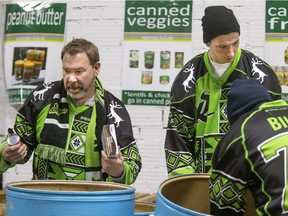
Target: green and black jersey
<point>198,119</point>
<point>66,140</point>
<point>253,155</point>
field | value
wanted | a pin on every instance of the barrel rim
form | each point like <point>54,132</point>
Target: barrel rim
<point>16,186</point>
<point>185,176</point>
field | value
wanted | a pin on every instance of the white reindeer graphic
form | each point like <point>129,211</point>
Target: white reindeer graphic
<point>190,78</point>
<point>40,93</point>
<point>113,114</point>
<point>255,69</point>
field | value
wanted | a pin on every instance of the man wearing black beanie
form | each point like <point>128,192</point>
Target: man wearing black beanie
<point>218,20</point>
<point>252,154</point>
<point>198,117</point>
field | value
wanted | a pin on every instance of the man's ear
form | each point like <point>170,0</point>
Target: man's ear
<point>97,68</point>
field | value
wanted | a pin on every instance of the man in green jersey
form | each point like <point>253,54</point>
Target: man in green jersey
<point>62,121</point>
<point>252,154</point>
<point>197,119</point>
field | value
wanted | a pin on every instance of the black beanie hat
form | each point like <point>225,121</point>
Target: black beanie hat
<point>244,96</point>
<point>218,20</point>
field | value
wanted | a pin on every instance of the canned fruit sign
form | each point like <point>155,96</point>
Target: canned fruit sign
<point>157,43</point>
<point>276,38</point>
<point>276,19</point>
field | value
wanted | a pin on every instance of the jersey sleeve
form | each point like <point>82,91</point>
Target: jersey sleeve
<point>180,134</point>
<point>229,178</point>
<point>118,115</point>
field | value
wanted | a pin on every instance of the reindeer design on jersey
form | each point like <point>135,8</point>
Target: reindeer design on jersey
<point>40,93</point>
<point>113,114</point>
<point>190,78</point>
<point>255,69</point>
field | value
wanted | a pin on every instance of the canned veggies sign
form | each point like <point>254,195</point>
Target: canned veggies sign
<point>150,66</point>
<point>158,16</point>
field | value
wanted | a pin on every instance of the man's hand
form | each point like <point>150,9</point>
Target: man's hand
<point>113,166</point>
<point>15,152</point>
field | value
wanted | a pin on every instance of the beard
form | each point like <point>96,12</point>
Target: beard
<point>77,92</point>
<point>78,95</point>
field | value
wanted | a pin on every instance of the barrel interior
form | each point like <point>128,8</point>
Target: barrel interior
<point>70,185</point>
<point>191,192</point>
<point>2,203</point>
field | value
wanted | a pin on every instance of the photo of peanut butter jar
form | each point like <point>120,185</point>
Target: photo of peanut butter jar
<point>28,70</point>
<point>18,69</point>
<point>35,55</point>
<point>37,69</point>
<point>29,65</point>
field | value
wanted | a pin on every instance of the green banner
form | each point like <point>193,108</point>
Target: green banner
<point>158,16</point>
<point>162,21</point>
<point>151,98</point>
<point>276,16</point>
<point>45,21</point>
<point>276,21</point>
